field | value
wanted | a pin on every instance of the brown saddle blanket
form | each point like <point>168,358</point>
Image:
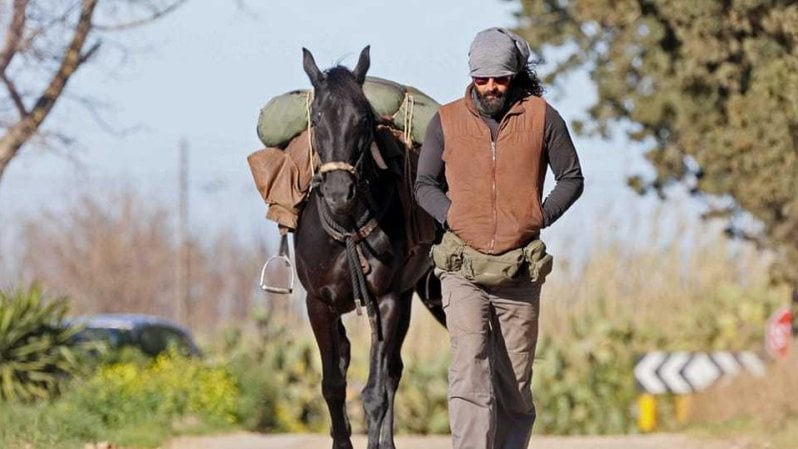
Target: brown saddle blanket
<point>283,178</point>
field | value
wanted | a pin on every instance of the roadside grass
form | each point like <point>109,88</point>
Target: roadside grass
<point>35,425</point>
<point>129,404</point>
<point>57,425</point>
<point>756,433</point>
<point>764,409</point>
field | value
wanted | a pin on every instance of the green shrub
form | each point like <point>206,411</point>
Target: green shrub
<point>129,404</point>
<point>170,387</point>
<point>279,376</point>
<point>35,353</point>
<point>584,384</point>
<point>422,398</point>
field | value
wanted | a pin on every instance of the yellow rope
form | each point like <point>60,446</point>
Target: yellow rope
<point>408,105</point>
<point>308,100</point>
<point>409,109</point>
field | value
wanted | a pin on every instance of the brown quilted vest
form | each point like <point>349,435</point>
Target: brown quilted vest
<point>495,188</point>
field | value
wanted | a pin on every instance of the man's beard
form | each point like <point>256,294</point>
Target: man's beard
<point>492,103</point>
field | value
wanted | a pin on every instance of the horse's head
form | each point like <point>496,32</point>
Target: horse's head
<point>343,127</point>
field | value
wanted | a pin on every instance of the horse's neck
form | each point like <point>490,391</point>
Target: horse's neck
<point>381,186</point>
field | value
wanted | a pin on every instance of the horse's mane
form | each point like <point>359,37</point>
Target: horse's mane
<point>342,83</point>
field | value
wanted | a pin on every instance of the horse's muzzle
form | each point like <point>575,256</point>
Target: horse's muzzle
<point>339,189</point>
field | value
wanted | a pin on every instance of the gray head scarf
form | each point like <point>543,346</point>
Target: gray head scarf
<point>497,52</point>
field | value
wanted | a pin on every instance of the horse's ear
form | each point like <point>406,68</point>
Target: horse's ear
<point>309,64</point>
<point>362,65</point>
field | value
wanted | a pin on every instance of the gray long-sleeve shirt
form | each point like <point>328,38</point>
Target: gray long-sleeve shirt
<point>430,185</point>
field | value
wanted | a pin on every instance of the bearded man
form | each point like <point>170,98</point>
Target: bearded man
<point>481,173</point>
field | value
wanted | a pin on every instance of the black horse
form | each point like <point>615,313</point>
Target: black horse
<point>351,250</point>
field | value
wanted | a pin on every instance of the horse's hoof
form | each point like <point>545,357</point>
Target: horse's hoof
<point>345,444</point>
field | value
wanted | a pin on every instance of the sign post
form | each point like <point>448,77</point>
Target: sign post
<point>778,333</point>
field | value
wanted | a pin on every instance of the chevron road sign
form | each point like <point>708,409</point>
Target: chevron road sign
<point>689,372</point>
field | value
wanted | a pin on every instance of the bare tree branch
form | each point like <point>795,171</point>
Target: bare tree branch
<point>14,35</point>
<point>44,44</point>
<point>12,91</point>
<point>156,14</point>
<point>95,110</point>
<point>86,56</point>
<point>70,62</point>
<point>17,135</point>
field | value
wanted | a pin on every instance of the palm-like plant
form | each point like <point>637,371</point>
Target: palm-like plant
<point>35,352</point>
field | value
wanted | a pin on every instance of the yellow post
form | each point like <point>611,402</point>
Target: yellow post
<point>647,412</point>
<point>682,406</point>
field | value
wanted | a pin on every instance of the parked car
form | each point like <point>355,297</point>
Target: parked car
<point>150,334</point>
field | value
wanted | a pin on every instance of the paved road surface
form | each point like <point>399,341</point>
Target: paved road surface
<point>655,441</point>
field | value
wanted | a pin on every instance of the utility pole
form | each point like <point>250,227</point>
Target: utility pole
<point>184,255</point>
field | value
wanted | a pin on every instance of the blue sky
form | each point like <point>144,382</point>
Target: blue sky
<point>203,73</point>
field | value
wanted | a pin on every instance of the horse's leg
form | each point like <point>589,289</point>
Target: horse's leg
<point>334,348</point>
<point>395,366</point>
<point>384,371</point>
<point>429,290</point>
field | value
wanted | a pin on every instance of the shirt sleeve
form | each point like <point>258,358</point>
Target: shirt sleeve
<point>564,163</point>
<point>430,186</point>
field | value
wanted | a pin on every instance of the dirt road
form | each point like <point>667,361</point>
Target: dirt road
<point>656,441</point>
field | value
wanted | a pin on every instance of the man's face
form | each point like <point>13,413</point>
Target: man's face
<point>492,92</point>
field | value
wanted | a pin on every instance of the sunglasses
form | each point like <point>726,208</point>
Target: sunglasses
<point>500,80</point>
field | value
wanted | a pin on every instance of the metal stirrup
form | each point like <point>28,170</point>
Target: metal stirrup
<point>284,256</point>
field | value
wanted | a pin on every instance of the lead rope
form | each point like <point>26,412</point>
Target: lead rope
<point>359,287</point>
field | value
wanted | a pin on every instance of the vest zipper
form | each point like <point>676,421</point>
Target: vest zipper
<point>495,204</point>
<point>493,199</point>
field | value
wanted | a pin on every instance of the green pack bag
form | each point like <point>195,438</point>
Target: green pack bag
<point>540,262</point>
<point>285,116</point>
<point>385,96</point>
<point>453,255</point>
<point>422,110</point>
<point>448,254</point>
<point>491,270</point>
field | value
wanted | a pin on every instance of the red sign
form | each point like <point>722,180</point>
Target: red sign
<point>778,333</point>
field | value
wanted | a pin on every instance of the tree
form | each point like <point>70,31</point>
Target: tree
<point>114,251</point>
<point>708,87</point>
<point>45,43</point>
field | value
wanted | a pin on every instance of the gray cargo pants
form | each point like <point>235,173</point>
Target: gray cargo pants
<point>493,333</point>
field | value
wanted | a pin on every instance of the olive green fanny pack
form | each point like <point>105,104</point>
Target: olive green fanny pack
<point>452,254</point>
